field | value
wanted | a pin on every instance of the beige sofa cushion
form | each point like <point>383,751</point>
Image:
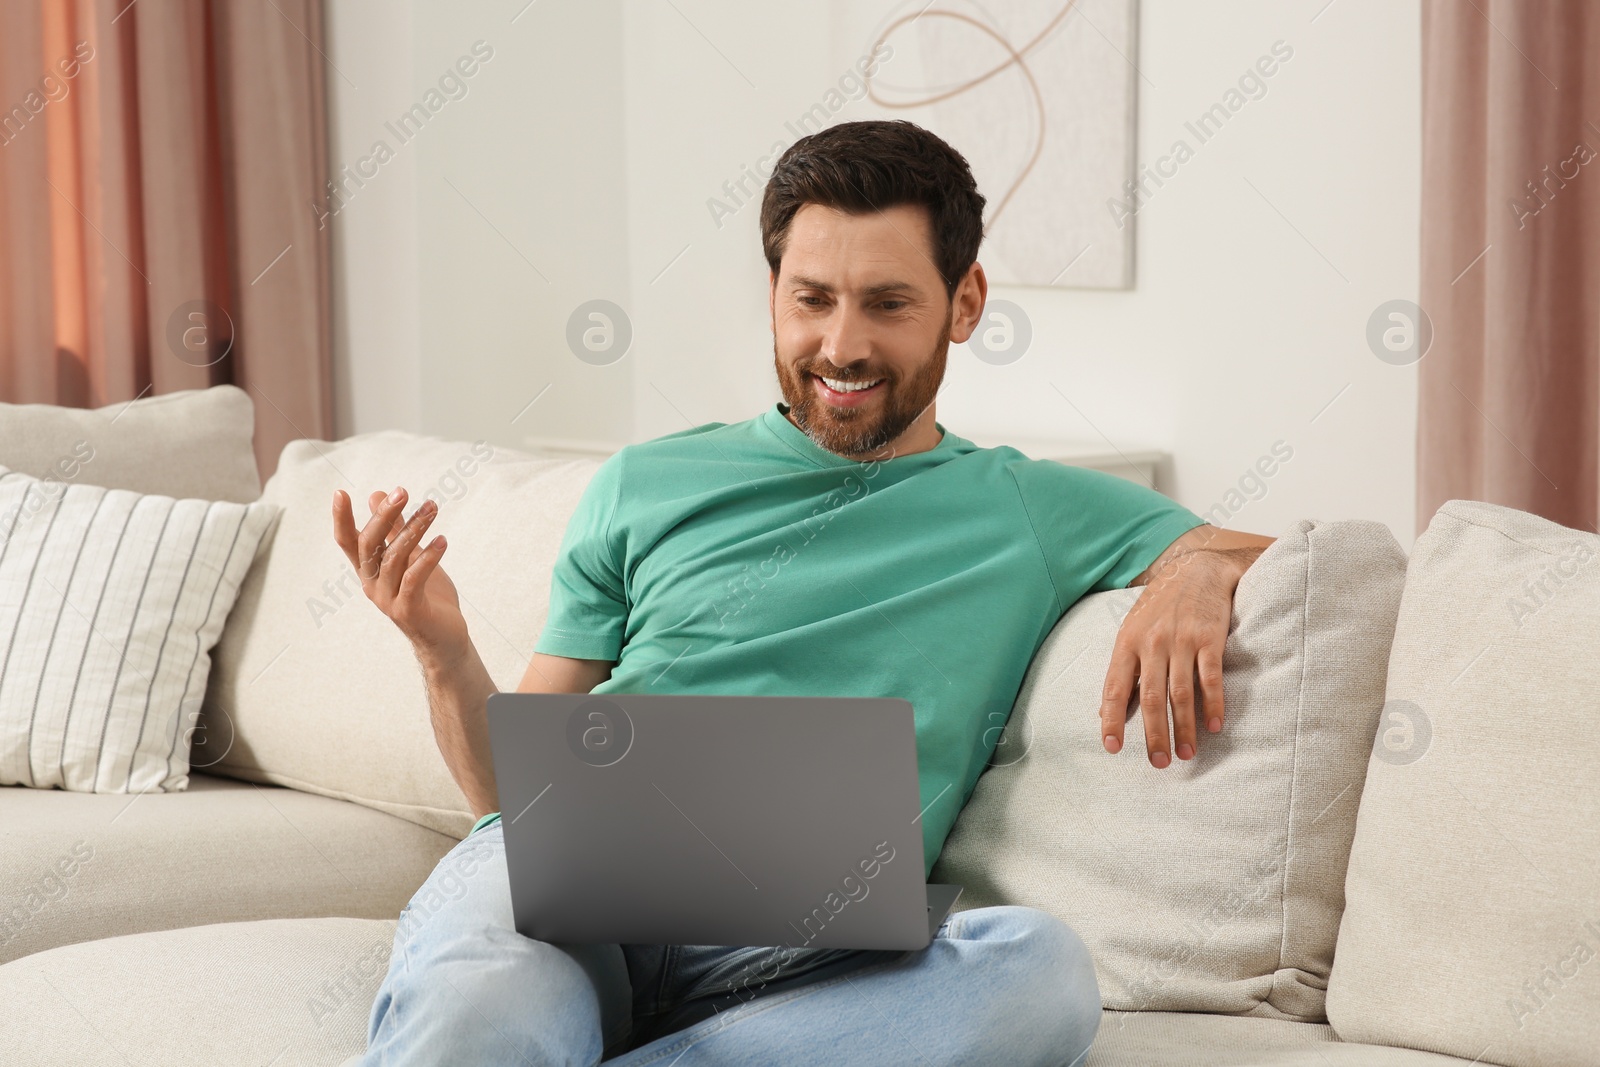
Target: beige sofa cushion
<point>80,866</point>
<point>1473,924</point>
<point>312,686</point>
<point>1216,884</point>
<point>1177,1039</point>
<point>299,992</point>
<point>284,992</point>
<point>193,443</point>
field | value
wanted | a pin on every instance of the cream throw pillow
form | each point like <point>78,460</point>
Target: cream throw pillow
<point>1473,922</point>
<point>1214,885</point>
<point>110,602</point>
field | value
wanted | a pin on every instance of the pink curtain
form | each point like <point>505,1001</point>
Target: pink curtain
<point>1510,390</point>
<point>158,165</point>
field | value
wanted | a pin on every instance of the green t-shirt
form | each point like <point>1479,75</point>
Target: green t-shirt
<point>745,559</point>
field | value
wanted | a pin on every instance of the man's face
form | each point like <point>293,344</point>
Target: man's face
<point>858,300</point>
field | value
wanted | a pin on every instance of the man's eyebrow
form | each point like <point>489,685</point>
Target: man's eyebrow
<point>800,281</point>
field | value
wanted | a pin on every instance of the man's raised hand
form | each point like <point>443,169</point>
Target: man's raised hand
<point>404,580</point>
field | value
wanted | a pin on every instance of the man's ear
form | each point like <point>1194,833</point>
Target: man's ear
<point>969,299</point>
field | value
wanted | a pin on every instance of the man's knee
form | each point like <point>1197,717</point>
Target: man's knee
<point>459,961</point>
<point>1053,972</point>
<point>467,889</point>
<point>1072,967</point>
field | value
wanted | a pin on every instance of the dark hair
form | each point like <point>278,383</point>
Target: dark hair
<point>861,167</point>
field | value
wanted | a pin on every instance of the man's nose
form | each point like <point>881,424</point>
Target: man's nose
<point>846,339</point>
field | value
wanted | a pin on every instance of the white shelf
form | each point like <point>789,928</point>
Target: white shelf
<point>1135,464</point>
<point>568,448</point>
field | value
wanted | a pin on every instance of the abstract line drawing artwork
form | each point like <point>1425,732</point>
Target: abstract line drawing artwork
<point>1041,97</point>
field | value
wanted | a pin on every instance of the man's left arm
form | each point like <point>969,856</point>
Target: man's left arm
<point>1176,630</point>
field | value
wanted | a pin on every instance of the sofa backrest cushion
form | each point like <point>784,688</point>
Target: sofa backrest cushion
<point>313,687</point>
<point>1214,885</point>
<point>1473,923</point>
<point>189,444</point>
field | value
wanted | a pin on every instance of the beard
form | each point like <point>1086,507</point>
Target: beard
<point>860,431</point>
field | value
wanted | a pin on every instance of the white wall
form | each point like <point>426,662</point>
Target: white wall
<point>377,360</point>
<point>458,264</point>
<point>521,201</point>
<point>598,132</point>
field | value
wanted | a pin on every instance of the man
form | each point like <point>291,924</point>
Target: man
<point>843,542</point>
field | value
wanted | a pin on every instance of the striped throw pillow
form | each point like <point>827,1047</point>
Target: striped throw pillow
<point>110,603</point>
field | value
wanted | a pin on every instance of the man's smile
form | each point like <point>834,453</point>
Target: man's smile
<point>844,393</point>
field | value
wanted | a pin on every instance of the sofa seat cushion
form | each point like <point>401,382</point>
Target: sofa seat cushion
<point>1185,1039</point>
<point>286,992</point>
<point>80,866</point>
<point>299,991</point>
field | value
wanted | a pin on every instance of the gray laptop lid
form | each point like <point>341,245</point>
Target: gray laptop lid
<point>713,820</point>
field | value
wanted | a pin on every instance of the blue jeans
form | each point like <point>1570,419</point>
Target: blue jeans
<point>1004,985</point>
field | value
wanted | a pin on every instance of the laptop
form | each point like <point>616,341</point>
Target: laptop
<point>713,820</point>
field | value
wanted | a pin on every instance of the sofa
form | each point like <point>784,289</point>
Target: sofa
<point>1387,857</point>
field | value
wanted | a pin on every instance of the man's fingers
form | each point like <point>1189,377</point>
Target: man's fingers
<point>424,562</point>
<point>398,520</point>
<point>1181,694</point>
<point>1208,663</point>
<point>399,513</point>
<point>374,505</point>
<point>1115,697</point>
<point>344,525</point>
<point>377,530</point>
<point>1153,706</point>
<point>397,557</point>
